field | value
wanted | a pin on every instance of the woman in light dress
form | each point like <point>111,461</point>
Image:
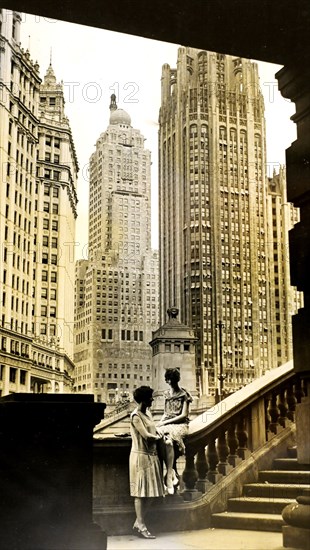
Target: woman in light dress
<point>174,425</point>
<point>145,471</point>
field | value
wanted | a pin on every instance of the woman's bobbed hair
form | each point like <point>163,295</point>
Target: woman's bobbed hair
<point>143,393</point>
<point>173,375</point>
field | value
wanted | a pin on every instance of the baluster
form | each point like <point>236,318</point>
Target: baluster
<point>283,408</point>
<point>190,476</point>
<point>213,474</point>
<point>232,458</point>
<point>242,436</point>
<point>291,402</point>
<point>274,414</point>
<point>267,418</point>
<point>203,484</point>
<point>223,450</point>
<point>299,390</point>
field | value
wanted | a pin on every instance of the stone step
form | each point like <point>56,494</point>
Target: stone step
<point>258,505</point>
<point>292,452</point>
<point>284,476</point>
<point>248,521</point>
<point>289,464</point>
<point>275,490</point>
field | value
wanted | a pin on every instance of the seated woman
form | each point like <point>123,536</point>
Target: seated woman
<point>173,425</point>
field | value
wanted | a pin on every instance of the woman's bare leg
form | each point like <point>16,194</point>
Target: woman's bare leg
<point>140,507</point>
<point>169,463</point>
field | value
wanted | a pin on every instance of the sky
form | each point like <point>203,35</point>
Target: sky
<point>94,63</point>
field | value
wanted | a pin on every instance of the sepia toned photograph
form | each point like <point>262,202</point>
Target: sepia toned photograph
<point>154,275</point>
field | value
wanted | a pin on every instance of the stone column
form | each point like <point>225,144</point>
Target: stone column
<point>46,471</point>
<point>294,83</point>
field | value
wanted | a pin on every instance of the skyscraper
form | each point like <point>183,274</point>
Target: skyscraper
<point>282,216</point>
<point>213,213</point>
<point>117,287</point>
<point>37,223</point>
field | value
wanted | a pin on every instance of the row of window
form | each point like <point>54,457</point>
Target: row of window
<point>53,208</point>
<point>16,347</point>
<point>13,373</point>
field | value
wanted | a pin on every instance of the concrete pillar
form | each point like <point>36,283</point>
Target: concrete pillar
<point>46,470</point>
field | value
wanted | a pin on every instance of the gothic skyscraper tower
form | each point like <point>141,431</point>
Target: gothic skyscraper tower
<point>213,213</point>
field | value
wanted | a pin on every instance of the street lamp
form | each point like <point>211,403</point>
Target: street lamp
<point>221,377</point>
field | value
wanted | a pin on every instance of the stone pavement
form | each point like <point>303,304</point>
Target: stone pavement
<point>205,539</point>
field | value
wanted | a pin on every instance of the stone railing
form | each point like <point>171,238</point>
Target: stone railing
<point>219,443</point>
<point>228,433</point>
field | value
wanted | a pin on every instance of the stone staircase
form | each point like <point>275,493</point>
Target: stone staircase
<point>261,504</point>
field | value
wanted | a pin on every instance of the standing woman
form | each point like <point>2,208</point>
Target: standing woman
<point>144,467</point>
<point>174,424</point>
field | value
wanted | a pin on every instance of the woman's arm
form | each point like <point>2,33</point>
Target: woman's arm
<point>138,424</point>
<point>179,418</point>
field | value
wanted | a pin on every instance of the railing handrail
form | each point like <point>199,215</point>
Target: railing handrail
<point>216,416</point>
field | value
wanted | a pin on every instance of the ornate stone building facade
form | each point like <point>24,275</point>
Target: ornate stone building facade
<point>213,185</point>
<point>282,216</point>
<point>117,287</point>
<point>37,223</point>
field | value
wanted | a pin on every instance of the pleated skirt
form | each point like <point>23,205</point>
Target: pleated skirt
<point>145,475</point>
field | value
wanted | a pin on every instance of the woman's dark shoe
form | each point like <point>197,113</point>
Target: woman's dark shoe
<point>143,533</point>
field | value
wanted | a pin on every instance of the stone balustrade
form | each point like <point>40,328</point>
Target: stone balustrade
<point>221,440</point>
<point>229,432</point>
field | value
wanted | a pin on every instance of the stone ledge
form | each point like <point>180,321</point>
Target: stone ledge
<point>296,537</point>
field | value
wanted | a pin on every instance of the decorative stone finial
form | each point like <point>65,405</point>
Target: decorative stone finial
<point>172,312</point>
<point>113,105</point>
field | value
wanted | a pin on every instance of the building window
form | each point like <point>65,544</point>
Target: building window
<point>13,375</point>
<point>43,311</point>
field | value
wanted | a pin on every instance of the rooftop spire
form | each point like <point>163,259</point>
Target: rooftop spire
<point>113,105</point>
